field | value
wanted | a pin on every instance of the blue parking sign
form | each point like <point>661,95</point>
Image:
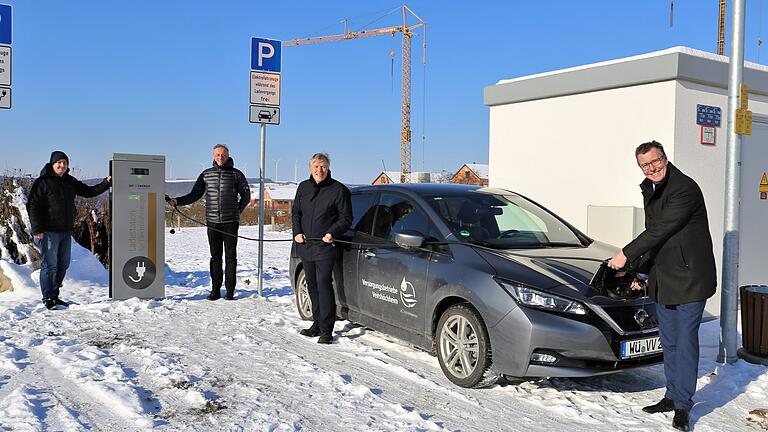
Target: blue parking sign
<point>265,54</point>
<point>5,24</point>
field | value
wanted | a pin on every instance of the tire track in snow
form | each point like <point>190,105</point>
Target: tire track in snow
<point>83,384</point>
<point>272,341</point>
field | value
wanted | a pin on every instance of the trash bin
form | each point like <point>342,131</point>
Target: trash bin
<point>754,319</point>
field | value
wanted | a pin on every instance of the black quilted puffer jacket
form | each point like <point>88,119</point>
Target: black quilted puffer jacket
<point>221,186</point>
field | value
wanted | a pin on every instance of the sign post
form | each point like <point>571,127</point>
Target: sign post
<point>264,109</point>
<point>6,37</point>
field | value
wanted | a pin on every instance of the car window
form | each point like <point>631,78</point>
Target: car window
<point>501,220</point>
<point>363,211</point>
<point>396,214</point>
<point>518,218</point>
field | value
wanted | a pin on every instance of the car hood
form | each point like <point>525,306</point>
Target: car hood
<point>567,271</point>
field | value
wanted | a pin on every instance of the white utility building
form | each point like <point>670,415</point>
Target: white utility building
<point>566,139</point>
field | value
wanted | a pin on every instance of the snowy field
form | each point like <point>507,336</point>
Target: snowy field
<point>186,363</point>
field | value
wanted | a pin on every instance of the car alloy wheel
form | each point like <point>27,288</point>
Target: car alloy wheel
<point>463,349</point>
<point>303,302</point>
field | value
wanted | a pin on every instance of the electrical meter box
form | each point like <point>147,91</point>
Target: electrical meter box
<point>137,246</point>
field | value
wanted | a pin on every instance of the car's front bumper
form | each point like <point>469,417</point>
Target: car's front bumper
<point>585,346</point>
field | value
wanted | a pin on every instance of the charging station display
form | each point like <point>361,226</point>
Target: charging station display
<point>137,246</point>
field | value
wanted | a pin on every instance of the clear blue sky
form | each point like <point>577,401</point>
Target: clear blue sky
<point>171,77</point>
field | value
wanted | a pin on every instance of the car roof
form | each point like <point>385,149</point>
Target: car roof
<point>427,188</point>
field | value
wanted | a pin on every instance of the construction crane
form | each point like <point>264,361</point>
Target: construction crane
<point>407,31</point>
<point>721,27</point>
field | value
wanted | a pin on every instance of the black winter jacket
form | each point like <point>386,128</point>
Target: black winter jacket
<point>51,201</point>
<point>319,209</point>
<point>676,241</point>
<point>221,186</point>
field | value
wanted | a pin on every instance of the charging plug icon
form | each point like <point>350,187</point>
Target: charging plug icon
<point>139,273</point>
<point>140,270</point>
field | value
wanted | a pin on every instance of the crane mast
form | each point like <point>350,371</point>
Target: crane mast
<point>721,27</point>
<point>407,31</point>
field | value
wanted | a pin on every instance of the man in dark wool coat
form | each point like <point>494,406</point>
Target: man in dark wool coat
<point>677,247</point>
<point>322,209</point>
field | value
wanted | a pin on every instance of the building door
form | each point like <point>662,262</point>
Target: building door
<point>753,238</point>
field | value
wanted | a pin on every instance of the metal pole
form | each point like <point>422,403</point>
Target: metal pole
<point>262,169</point>
<point>729,291</point>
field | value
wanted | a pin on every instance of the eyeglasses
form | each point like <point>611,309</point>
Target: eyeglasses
<point>656,163</point>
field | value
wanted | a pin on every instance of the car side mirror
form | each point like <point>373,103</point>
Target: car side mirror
<point>409,239</point>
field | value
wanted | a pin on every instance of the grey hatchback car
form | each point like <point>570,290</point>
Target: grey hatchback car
<point>489,281</point>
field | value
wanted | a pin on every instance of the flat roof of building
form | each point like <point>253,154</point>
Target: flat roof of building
<point>678,63</point>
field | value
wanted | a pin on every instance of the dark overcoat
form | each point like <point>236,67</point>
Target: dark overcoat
<point>319,209</point>
<point>676,244</point>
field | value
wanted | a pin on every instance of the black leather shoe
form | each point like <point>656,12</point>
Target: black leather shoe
<point>49,304</point>
<point>60,302</point>
<point>682,420</point>
<point>214,296</point>
<point>664,405</point>
<point>230,295</point>
<point>312,331</point>
<point>325,338</point>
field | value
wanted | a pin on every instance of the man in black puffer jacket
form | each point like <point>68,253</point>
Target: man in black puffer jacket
<point>221,185</point>
<point>51,208</point>
<point>322,209</point>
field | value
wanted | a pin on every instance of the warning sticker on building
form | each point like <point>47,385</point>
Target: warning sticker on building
<point>764,184</point>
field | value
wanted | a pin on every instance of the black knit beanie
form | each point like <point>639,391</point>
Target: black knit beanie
<point>57,156</point>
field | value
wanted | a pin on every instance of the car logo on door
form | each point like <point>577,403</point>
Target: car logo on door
<point>407,294</point>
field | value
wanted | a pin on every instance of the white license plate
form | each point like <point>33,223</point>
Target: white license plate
<point>640,347</point>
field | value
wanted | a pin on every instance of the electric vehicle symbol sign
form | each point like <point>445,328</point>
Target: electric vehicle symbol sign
<point>139,272</point>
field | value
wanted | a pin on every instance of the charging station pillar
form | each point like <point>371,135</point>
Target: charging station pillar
<point>137,246</point>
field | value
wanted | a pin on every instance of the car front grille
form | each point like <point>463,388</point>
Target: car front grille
<point>633,318</point>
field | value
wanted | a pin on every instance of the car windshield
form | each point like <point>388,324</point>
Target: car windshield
<point>502,220</point>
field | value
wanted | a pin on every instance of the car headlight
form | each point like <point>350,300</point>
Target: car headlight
<point>533,298</point>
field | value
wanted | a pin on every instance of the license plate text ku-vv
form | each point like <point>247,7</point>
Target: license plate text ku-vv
<point>640,347</point>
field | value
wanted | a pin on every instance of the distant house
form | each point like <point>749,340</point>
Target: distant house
<point>474,174</point>
<point>389,177</point>
<point>277,196</point>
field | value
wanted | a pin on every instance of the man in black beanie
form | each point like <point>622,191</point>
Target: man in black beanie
<point>51,208</point>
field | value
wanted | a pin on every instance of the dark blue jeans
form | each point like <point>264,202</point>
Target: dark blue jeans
<point>56,251</point>
<point>679,331</point>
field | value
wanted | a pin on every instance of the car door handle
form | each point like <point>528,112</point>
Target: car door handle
<point>368,254</point>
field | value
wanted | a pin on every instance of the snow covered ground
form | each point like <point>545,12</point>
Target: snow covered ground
<point>185,363</point>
